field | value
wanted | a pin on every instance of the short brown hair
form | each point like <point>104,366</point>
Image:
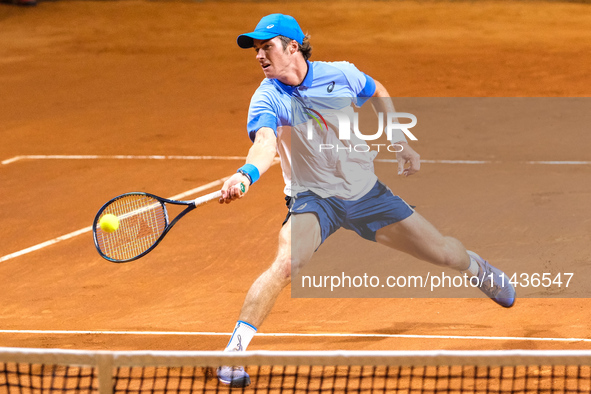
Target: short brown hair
<point>305,48</point>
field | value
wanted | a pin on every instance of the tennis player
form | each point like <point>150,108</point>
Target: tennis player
<point>343,198</point>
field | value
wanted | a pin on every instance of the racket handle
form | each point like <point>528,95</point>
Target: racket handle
<point>207,198</point>
<point>213,196</point>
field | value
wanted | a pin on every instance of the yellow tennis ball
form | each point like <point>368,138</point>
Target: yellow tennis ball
<point>109,223</point>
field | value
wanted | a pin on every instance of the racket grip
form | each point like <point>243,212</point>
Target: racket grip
<point>207,198</point>
<point>213,196</point>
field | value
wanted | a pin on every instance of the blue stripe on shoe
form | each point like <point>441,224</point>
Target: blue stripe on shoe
<point>248,324</point>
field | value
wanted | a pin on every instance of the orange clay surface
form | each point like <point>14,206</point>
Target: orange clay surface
<point>166,78</point>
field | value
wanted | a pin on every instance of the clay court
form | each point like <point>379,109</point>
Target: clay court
<point>165,78</point>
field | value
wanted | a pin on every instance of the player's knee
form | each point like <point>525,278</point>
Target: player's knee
<point>282,269</point>
<point>286,266</point>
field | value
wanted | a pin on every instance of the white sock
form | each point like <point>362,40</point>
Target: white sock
<point>473,269</point>
<point>241,337</point>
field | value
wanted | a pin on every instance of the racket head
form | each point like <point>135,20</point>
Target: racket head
<point>143,221</point>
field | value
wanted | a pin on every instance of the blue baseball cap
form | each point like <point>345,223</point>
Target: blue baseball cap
<point>272,26</point>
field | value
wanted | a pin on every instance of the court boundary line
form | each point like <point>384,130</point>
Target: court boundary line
<point>117,157</point>
<point>177,157</point>
<point>89,228</point>
<point>263,334</point>
<point>204,187</point>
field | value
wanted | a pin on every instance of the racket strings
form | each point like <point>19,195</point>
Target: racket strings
<point>142,220</point>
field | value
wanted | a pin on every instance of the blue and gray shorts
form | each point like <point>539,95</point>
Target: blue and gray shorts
<point>378,208</point>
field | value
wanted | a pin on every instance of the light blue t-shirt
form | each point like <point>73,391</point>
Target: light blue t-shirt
<point>347,175</point>
<point>270,105</point>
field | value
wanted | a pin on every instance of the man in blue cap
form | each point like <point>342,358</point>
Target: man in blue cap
<point>327,192</point>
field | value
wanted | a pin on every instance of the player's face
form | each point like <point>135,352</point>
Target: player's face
<point>273,59</point>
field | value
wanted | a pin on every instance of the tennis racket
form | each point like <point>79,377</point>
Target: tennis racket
<point>142,220</point>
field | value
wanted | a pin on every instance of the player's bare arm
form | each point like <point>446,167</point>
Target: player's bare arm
<point>409,161</point>
<point>261,155</point>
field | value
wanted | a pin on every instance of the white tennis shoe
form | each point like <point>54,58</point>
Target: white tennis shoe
<point>493,282</point>
<point>234,376</point>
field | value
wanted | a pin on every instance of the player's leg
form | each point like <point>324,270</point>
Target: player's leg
<point>300,235</point>
<point>298,239</point>
<point>383,217</point>
<point>419,238</point>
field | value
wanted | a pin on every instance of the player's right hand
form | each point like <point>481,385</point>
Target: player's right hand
<point>231,188</point>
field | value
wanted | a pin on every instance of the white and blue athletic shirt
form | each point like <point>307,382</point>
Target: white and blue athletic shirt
<point>329,173</point>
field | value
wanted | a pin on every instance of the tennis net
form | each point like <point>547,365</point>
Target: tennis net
<point>26,371</point>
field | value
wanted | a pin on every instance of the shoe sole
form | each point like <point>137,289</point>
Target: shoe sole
<point>241,382</point>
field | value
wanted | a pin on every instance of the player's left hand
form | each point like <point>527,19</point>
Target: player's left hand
<point>407,156</point>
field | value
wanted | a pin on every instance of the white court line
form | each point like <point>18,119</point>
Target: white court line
<point>560,162</point>
<point>89,228</point>
<point>159,157</point>
<point>441,161</point>
<point>264,334</point>
<point>196,190</point>
<point>117,157</point>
